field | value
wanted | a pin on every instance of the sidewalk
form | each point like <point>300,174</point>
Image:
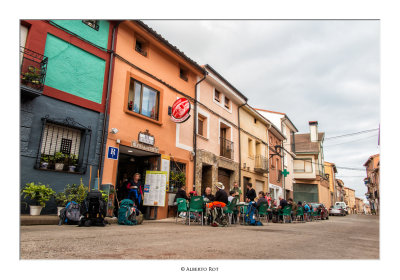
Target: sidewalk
<point>28,220</point>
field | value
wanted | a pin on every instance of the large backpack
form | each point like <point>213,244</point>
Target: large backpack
<point>93,210</point>
<point>127,213</point>
<point>250,217</point>
<point>218,217</point>
<point>71,214</point>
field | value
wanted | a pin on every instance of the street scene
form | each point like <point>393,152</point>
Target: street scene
<point>336,238</point>
<point>132,128</point>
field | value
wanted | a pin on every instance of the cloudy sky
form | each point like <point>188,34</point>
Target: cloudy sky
<point>324,70</point>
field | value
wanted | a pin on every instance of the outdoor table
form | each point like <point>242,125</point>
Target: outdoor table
<point>240,206</point>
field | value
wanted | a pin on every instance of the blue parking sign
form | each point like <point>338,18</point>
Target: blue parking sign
<point>112,153</point>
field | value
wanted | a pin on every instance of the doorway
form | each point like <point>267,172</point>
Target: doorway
<point>206,177</point>
<point>224,176</point>
<point>246,180</point>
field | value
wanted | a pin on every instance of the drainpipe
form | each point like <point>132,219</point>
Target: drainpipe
<point>268,128</point>
<point>105,121</point>
<point>195,129</point>
<point>240,154</point>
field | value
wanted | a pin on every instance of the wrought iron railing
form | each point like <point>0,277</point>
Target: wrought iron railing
<point>33,69</point>
<point>226,148</point>
<point>261,163</point>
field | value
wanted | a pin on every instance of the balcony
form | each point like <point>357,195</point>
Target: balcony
<point>261,164</point>
<point>226,148</point>
<point>33,72</point>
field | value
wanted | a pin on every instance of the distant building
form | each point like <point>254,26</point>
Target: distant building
<point>350,199</point>
<point>309,173</point>
<point>330,170</point>
<point>372,180</point>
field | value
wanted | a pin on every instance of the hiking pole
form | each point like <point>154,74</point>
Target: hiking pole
<point>90,176</point>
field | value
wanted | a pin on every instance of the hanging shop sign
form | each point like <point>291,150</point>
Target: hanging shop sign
<point>180,110</point>
<point>155,187</point>
<point>146,138</point>
<point>135,144</point>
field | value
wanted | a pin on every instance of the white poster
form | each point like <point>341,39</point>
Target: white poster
<point>155,188</point>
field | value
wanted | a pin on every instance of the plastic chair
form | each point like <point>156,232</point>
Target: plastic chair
<point>230,209</point>
<point>287,213</point>
<point>182,207</point>
<point>243,210</point>
<point>262,211</point>
<point>196,206</point>
<point>300,214</point>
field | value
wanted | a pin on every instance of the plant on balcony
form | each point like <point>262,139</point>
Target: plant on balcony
<point>32,76</point>
<point>38,193</point>
<point>44,161</point>
<point>59,159</point>
<point>72,162</point>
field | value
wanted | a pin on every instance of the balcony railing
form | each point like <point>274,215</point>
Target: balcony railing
<point>261,164</point>
<point>33,72</point>
<point>226,148</point>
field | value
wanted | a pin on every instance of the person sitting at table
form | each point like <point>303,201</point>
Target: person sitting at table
<point>250,193</point>
<point>208,195</point>
<point>231,195</point>
<point>221,195</point>
<point>261,199</point>
<point>294,208</point>
<point>181,194</point>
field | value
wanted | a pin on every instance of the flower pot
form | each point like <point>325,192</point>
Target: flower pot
<point>59,166</point>
<point>72,168</point>
<point>35,210</point>
<point>59,210</point>
<point>44,165</point>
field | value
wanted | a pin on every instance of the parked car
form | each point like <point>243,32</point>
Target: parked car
<point>344,206</point>
<point>322,208</point>
<point>337,210</point>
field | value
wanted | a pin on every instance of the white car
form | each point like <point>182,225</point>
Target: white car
<point>337,210</point>
<point>343,205</point>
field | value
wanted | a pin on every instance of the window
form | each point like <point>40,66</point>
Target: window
<point>143,100</point>
<point>92,23</point>
<point>303,165</point>
<point>217,95</point>
<point>63,145</point>
<point>141,47</point>
<point>202,126</point>
<point>250,148</point>
<point>183,74</point>
<point>227,103</point>
<point>285,159</point>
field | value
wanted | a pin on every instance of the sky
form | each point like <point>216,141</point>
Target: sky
<point>312,70</point>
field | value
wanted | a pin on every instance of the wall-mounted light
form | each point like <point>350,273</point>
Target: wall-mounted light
<point>114,130</point>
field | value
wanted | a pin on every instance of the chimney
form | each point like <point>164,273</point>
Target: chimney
<point>313,131</point>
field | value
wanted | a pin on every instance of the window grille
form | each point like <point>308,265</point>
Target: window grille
<point>66,142</point>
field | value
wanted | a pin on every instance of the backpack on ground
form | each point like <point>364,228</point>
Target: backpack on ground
<point>219,219</point>
<point>251,217</point>
<point>127,213</point>
<point>93,210</point>
<point>71,214</point>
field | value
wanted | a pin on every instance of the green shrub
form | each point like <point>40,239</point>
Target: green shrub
<point>38,192</point>
<point>76,193</point>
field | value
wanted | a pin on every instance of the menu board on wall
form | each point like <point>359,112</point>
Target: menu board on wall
<point>155,187</point>
<point>165,163</point>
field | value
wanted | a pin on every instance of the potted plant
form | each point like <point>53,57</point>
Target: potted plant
<point>59,159</point>
<point>76,193</point>
<point>61,200</point>
<point>32,76</point>
<point>44,161</point>
<point>73,160</point>
<point>40,194</point>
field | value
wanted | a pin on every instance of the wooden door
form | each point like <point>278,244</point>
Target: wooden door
<point>224,176</point>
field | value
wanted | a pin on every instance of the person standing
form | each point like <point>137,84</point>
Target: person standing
<point>136,191</point>
<point>237,190</point>
<point>250,193</point>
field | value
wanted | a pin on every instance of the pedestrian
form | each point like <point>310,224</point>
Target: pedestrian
<point>237,190</point>
<point>294,208</point>
<point>135,193</point>
<point>250,193</point>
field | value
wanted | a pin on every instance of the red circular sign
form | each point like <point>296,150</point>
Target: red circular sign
<point>180,110</point>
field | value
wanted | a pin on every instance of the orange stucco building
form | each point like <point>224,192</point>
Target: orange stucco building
<point>149,75</point>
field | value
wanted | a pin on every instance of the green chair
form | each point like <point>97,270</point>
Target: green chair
<point>300,214</point>
<point>314,215</point>
<point>287,213</point>
<point>262,211</point>
<point>196,205</point>
<point>243,210</point>
<point>230,209</point>
<point>182,207</point>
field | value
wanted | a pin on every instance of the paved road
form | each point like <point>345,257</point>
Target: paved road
<point>351,237</point>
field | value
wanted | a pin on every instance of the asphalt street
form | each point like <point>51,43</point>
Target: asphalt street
<point>350,237</point>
